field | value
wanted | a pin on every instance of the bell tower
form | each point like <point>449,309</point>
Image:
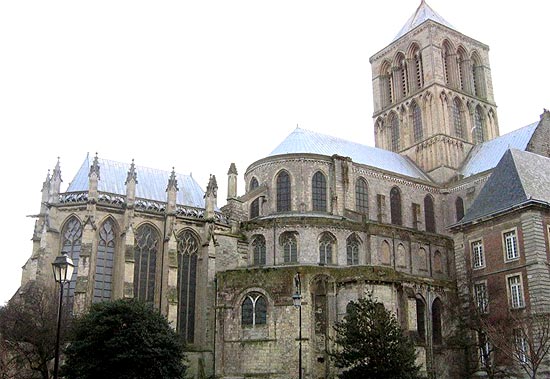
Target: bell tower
<point>433,95</point>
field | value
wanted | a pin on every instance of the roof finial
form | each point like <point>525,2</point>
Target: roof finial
<point>57,170</point>
<point>132,174</point>
<point>94,168</point>
<point>172,181</point>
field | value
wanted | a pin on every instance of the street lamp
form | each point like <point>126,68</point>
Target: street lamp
<point>63,268</point>
<point>297,300</point>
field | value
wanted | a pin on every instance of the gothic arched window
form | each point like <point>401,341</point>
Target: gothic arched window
<point>146,246</point>
<point>290,247</point>
<point>327,248</point>
<point>479,126</point>
<point>259,250</point>
<point>447,55</point>
<point>72,246</point>
<point>402,88</point>
<point>361,196</point>
<point>459,206</point>
<point>419,69</point>
<point>254,310</point>
<point>429,215</point>
<point>463,71</point>
<point>386,81</point>
<point>478,76</point>
<point>319,192</point>
<point>437,334</point>
<point>438,261</point>
<point>417,122</point>
<point>255,208</point>
<point>395,206</point>
<point>352,249</point>
<point>103,278</point>
<point>253,184</point>
<point>457,117</point>
<point>283,192</point>
<point>394,132</point>
<point>421,320</point>
<point>188,251</point>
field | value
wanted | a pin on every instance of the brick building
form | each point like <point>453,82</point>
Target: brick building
<point>399,219</point>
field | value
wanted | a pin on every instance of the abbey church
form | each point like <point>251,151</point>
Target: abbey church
<point>443,212</point>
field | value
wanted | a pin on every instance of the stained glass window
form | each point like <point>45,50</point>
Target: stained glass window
<point>258,247</point>
<point>146,246</point>
<point>72,246</point>
<point>361,196</point>
<point>188,249</point>
<point>395,206</point>
<point>283,192</point>
<point>319,192</point>
<point>103,279</point>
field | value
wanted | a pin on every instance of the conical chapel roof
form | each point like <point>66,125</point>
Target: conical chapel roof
<point>423,13</point>
<point>302,141</point>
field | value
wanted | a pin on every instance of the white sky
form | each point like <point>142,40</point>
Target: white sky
<point>200,84</point>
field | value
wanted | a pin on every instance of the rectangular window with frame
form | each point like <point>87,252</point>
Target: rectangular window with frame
<point>511,245</point>
<point>516,291</point>
<point>481,297</point>
<point>520,343</point>
<point>478,256</point>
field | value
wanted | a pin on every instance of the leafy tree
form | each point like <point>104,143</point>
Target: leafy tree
<point>371,344</point>
<point>124,339</point>
<point>28,326</point>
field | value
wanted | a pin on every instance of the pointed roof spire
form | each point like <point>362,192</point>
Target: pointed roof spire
<point>172,181</point>
<point>212,188</point>
<point>232,169</point>
<point>423,13</point>
<point>46,184</point>
<point>57,171</point>
<point>132,174</point>
<point>94,168</point>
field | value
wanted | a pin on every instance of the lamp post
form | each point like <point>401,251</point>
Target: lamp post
<point>297,299</point>
<point>63,268</point>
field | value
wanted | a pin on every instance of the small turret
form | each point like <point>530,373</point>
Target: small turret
<point>45,193</point>
<point>131,181</point>
<point>211,197</point>
<point>94,178</point>
<point>232,182</point>
<point>172,191</point>
<point>55,183</point>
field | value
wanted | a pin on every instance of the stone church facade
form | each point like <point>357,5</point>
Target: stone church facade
<point>398,219</point>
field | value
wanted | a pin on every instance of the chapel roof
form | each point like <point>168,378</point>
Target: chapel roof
<point>423,13</point>
<point>486,155</point>
<point>151,183</point>
<point>302,141</point>
<point>519,177</point>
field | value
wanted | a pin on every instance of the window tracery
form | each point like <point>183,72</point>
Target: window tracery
<point>254,310</point>
<point>146,246</point>
<point>188,249</point>
<point>103,278</point>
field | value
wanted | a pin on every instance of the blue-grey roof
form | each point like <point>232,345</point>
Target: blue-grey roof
<point>519,177</point>
<point>151,184</point>
<point>302,141</point>
<point>485,156</point>
<point>423,13</point>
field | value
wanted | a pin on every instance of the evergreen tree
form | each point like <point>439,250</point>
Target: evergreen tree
<point>371,344</point>
<point>123,339</point>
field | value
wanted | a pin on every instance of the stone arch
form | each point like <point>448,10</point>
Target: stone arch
<point>401,256</point>
<point>422,259</point>
<point>253,184</point>
<point>241,298</point>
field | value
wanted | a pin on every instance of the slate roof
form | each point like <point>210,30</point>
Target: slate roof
<point>520,176</point>
<point>423,13</point>
<point>485,156</point>
<point>151,184</point>
<point>308,142</point>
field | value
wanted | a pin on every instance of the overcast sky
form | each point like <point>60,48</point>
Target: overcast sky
<point>200,84</point>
